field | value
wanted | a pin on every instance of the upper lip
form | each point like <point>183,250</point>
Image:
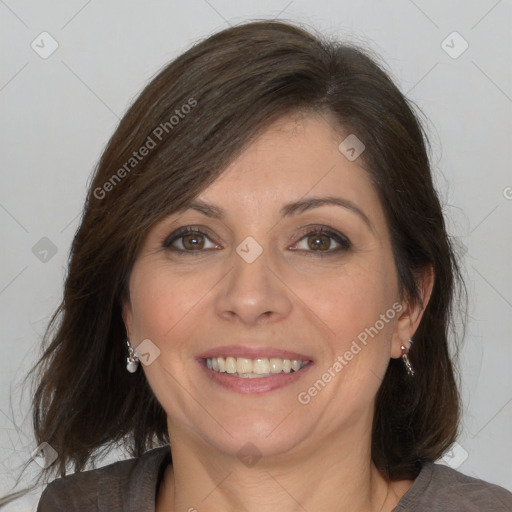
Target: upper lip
<point>253,352</point>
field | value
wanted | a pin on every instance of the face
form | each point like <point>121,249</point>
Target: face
<point>284,261</point>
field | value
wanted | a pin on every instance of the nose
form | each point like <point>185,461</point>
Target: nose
<point>253,293</point>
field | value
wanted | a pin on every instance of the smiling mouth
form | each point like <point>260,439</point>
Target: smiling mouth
<point>254,368</point>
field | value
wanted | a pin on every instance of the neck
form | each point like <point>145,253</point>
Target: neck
<point>337,475</point>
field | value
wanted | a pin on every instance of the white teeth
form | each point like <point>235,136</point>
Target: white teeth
<point>254,368</point>
<point>295,365</point>
<point>230,365</point>
<point>276,365</point>
<point>261,366</point>
<point>243,365</point>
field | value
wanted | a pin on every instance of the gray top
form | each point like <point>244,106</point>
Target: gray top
<point>131,486</point>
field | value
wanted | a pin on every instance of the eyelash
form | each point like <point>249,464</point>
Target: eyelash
<point>344,242</point>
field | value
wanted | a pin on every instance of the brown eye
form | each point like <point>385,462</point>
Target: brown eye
<point>193,241</point>
<point>189,240</point>
<point>322,242</point>
<point>319,242</point>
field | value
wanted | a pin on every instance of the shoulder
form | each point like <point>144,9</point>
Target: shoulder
<point>108,488</point>
<point>440,488</point>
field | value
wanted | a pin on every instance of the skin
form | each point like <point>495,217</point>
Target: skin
<point>290,297</point>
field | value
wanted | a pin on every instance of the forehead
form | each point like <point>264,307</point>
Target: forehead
<point>294,158</point>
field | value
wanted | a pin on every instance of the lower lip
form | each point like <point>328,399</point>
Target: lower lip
<point>255,385</point>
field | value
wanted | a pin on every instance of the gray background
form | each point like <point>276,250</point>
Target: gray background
<point>58,112</point>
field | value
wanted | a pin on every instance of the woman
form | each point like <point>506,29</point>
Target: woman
<point>260,246</point>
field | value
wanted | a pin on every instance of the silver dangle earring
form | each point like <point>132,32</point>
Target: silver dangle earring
<point>132,361</point>
<point>405,359</point>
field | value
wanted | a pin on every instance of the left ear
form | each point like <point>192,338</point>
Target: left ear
<point>412,312</point>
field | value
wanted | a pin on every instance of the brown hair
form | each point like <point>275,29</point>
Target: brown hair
<point>235,84</point>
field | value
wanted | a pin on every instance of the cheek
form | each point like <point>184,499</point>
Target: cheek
<point>357,305</point>
<point>166,309</point>
<point>364,320</point>
<point>352,297</point>
<point>150,305</point>
<point>162,299</point>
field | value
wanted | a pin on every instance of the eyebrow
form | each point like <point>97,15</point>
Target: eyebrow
<point>289,209</point>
